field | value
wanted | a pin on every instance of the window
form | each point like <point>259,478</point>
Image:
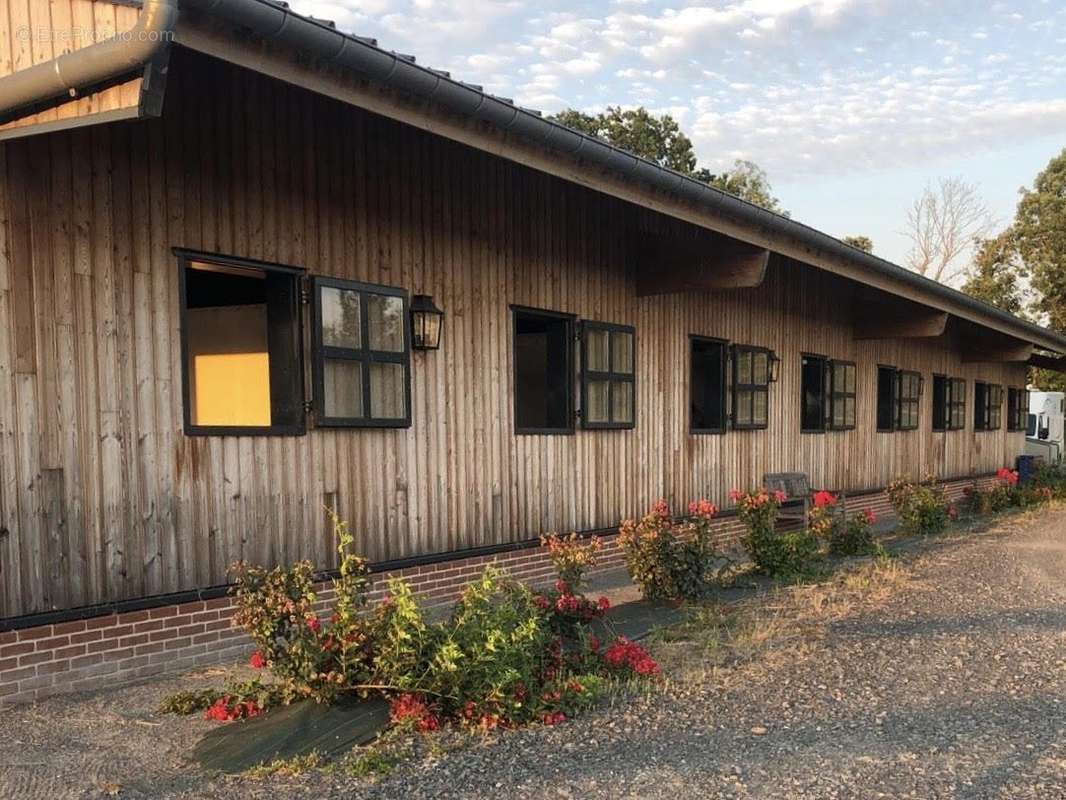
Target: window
<point>909,392</point>
<point>812,379</point>
<point>362,355</point>
<point>1017,409</point>
<point>842,395</point>
<point>949,403</point>
<point>543,372</point>
<point>751,387</point>
<point>987,406</point>
<point>241,348</point>
<point>887,379</point>
<point>707,385</point>
<point>607,370</point>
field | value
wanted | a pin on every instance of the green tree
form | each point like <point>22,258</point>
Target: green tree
<point>637,130</point>
<point>660,139</point>
<point>864,243</point>
<point>1040,232</point>
<point>996,272</point>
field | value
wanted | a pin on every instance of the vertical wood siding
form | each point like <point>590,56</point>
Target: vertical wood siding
<point>103,497</point>
<point>33,32</point>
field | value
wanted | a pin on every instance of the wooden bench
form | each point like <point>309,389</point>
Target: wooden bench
<point>797,490</point>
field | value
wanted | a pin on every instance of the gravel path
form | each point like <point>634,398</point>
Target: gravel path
<point>950,687</point>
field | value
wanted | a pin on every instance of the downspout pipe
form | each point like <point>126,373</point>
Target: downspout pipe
<point>78,70</point>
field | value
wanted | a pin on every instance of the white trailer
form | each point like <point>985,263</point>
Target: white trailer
<point>1045,435</point>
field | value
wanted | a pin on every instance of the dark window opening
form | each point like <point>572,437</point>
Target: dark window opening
<point>543,372</point>
<point>940,403</point>
<point>608,391</point>
<point>707,390</point>
<point>751,387</point>
<point>842,395</point>
<point>241,347</point>
<point>908,393</point>
<point>362,355</point>
<point>886,398</point>
<point>812,380</point>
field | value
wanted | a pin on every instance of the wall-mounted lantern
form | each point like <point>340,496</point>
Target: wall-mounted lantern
<point>426,323</point>
<point>775,366</point>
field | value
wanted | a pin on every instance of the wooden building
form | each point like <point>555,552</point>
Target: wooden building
<point>211,258</point>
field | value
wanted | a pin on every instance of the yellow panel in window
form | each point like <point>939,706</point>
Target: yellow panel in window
<point>233,389</point>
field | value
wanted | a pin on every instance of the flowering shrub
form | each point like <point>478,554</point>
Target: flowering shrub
<point>567,612</point>
<point>854,535</point>
<point>668,559</point>
<point>922,507</point>
<point>624,654</point>
<point>820,516</point>
<point>237,701</point>
<point>571,557</point>
<point>277,608</point>
<point>782,554</point>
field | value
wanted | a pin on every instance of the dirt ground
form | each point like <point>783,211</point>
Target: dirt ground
<point>946,679</point>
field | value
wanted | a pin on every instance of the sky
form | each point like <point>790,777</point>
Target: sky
<point>851,106</point>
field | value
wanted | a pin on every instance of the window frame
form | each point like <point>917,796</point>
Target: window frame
<point>186,258</point>
<point>764,388</point>
<point>803,399</point>
<point>899,400</point>
<point>953,402</point>
<point>1019,420</point>
<point>611,376</point>
<point>322,352</point>
<point>571,321</point>
<point>985,420</point>
<point>724,383</point>
<point>833,396</point>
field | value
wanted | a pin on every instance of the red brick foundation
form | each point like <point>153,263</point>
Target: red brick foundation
<point>116,648</point>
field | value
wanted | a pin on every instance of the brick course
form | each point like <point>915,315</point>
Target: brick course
<point>109,650</point>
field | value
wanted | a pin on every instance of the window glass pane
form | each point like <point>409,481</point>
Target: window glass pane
<point>838,412</point>
<point>839,378</point>
<point>707,391</point>
<point>341,324</point>
<point>849,371</point>
<point>849,412</point>
<point>622,401</point>
<point>387,396</point>
<point>622,352</point>
<point>342,388</point>
<point>744,400</point>
<point>744,367</point>
<point>386,323</point>
<point>760,367</point>
<point>596,343</point>
<point>760,413</point>
<point>597,402</point>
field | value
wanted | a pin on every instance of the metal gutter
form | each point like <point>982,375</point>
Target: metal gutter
<point>80,70</point>
<point>274,21</point>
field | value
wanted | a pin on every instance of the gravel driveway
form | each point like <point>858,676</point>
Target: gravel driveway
<point>950,687</point>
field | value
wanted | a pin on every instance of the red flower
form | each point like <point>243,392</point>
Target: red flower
<point>661,509</point>
<point>953,512</point>
<point>603,604</point>
<point>869,516</point>
<point>779,496</point>
<point>823,498</point>
<point>313,624</point>
<point>561,587</point>
<point>542,602</point>
<point>257,661</point>
<point>735,494</point>
<point>1009,476</point>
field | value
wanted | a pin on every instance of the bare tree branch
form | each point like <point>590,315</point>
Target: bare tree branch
<point>942,225</point>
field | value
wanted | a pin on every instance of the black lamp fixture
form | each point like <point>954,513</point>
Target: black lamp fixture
<point>775,363</point>
<point>426,323</point>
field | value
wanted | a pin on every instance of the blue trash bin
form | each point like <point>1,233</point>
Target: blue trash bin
<point>1026,466</point>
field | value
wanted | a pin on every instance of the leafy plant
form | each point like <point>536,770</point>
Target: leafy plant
<point>278,609</point>
<point>780,554</point>
<point>571,557</point>
<point>668,559</point>
<point>853,536</point>
<point>921,507</point>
